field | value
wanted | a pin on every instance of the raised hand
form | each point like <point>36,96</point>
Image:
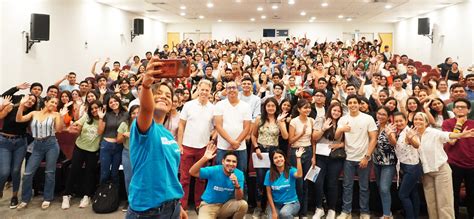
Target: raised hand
<point>468,133</point>
<point>24,99</point>
<point>210,152</point>
<point>63,111</point>
<point>68,104</point>
<point>412,132</point>
<point>327,124</point>
<point>282,116</point>
<point>103,90</point>
<point>116,88</point>
<point>299,152</point>
<point>23,86</point>
<point>7,100</point>
<point>101,113</point>
<point>346,127</point>
<point>390,128</point>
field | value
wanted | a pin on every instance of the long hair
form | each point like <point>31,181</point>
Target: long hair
<point>300,104</point>
<point>330,134</point>
<point>274,174</point>
<point>264,114</point>
<point>444,111</point>
<point>419,107</point>
<point>116,98</point>
<point>133,108</point>
<point>156,88</point>
<point>61,104</point>
<point>89,110</point>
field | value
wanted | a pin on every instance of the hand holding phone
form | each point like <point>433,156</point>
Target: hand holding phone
<point>173,68</point>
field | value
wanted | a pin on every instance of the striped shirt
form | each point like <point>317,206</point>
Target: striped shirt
<point>43,129</point>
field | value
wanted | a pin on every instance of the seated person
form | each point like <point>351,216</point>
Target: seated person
<point>223,197</point>
<point>280,181</point>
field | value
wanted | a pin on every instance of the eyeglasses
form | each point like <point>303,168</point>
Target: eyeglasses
<point>460,107</point>
<point>319,95</point>
<point>231,88</point>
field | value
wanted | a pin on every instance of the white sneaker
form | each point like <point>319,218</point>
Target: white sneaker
<point>85,201</point>
<point>45,205</point>
<point>331,214</point>
<point>344,215</point>
<point>66,199</point>
<point>364,216</point>
<point>256,213</point>
<point>22,205</point>
<point>318,213</point>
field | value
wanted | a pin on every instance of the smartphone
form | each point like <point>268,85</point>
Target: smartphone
<point>174,68</point>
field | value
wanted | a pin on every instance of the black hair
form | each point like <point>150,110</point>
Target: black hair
<point>37,84</point>
<point>444,111</point>
<point>300,104</point>
<point>230,153</point>
<point>89,110</point>
<point>353,96</point>
<point>274,173</point>
<point>52,87</point>
<point>264,115</point>
<point>116,62</point>
<point>330,134</point>
<point>466,101</point>
<point>116,98</point>
<point>132,108</point>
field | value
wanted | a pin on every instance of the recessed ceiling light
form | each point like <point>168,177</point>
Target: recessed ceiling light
<point>219,20</point>
<point>274,7</point>
<point>263,17</point>
<point>182,14</point>
<point>340,16</point>
<point>291,2</point>
<point>201,17</point>
<point>210,5</point>
<point>259,9</point>
<point>325,4</point>
<point>349,19</point>
<point>252,19</point>
<point>182,7</point>
<point>312,18</point>
<point>302,13</point>
<point>388,6</point>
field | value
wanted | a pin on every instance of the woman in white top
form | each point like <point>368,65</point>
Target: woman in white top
<point>437,179</point>
<point>400,135</point>
<point>301,127</point>
<point>44,125</point>
<point>172,120</point>
<point>440,112</point>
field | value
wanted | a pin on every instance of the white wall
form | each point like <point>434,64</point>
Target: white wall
<point>314,31</point>
<point>453,36</point>
<point>72,23</point>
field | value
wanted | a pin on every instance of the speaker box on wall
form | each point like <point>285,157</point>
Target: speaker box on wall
<point>39,27</point>
<point>423,26</point>
<point>137,26</point>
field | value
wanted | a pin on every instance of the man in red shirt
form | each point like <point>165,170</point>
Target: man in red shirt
<point>461,154</point>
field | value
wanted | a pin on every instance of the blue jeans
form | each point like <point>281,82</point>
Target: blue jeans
<point>110,159</point>
<point>127,167</point>
<point>408,191</point>
<point>12,153</point>
<point>285,211</point>
<point>48,148</point>
<point>328,177</point>
<point>167,210</point>
<point>301,184</point>
<point>241,158</point>
<point>384,176</point>
<point>350,168</point>
<point>261,172</point>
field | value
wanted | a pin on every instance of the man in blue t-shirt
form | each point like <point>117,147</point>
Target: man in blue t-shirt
<point>224,192</point>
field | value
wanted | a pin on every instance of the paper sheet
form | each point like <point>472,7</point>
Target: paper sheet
<point>323,149</point>
<point>263,163</point>
<point>312,174</point>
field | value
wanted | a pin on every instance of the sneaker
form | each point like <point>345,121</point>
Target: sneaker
<point>344,215</point>
<point>318,213</point>
<point>85,201</point>
<point>45,205</point>
<point>257,212</point>
<point>125,207</point>
<point>21,205</point>
<point>331,214</point>
<point>66,199</point>
<point>364,216</point>
<point>13,202</point>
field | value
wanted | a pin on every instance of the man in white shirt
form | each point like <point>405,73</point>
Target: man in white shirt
<point>194,132</point>
<point>71,85</point>
<point>360,136</point>
<point>247,96</point>
<point>232,119</point>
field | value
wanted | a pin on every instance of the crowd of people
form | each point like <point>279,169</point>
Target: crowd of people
<point>339,108</point>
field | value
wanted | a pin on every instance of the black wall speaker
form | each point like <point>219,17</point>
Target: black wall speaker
<point>423,26</point>
<point>39,27</point>
<point>137,26</point>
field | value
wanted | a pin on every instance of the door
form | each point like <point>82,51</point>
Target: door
<point>173,39</point>
<point>387,40</point>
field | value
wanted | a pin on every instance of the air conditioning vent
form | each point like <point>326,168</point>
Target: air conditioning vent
<point>273,1</point>
<point>158,3</point>
<point>276,17</point>
<point>152,11</point>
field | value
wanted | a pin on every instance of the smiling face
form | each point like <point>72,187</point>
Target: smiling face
<point>163,99</point>
<point>90,97</point>
<point>64,98</point>
<point>229,163</point>
<point>400,122</point>
<point>437,105</point>
<point>305,110</point>
<point>113,104</point>
<point>270,108</point>
<point>52,104</point>
<point>420,121</point>
<point>278,159</point>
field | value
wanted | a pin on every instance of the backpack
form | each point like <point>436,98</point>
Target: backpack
<point>106,199</point>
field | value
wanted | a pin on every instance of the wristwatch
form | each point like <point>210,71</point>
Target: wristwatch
<point>367,157</point>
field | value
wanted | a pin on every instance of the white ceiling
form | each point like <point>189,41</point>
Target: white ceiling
<point>169,11</point>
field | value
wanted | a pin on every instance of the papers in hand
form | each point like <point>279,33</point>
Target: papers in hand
<point>323,149</point>
<point>312,174</point>
<point>263,163</point>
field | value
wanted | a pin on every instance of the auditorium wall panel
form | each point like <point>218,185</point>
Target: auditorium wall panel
<point>453,36</point>
<point>72,23</point>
